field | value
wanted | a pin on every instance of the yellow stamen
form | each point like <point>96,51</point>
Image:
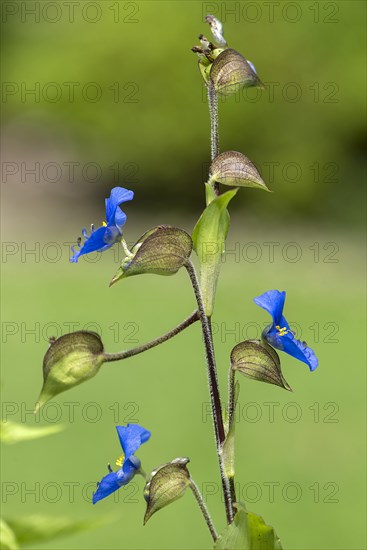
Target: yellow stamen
<point>282,331</point>
<point>104,224</point>
<point>120,460</point>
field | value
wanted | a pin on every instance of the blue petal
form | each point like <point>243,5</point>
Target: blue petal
<point>76,254</point>
<point>130,466</point>
<point>131,438</point>
<point>114,214</point>
<point>300,350</point>
<point>112,235</point>
<point>111,482</point>
<point>273,302</point>
<point>96,241</point>
<point>119,219</point>
<point>289,344</point>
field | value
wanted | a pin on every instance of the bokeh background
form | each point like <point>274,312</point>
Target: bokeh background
<point>107,93</point>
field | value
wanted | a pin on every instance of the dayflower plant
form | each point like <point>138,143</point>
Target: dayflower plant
<point>278,334</point>
<point>131,438</point>
<point>164,250</point>
<point>111,230</point>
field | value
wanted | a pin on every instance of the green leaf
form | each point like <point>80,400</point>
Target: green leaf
<point>8,539</point>
<point>248,531</point>
<point>210,193</point>
<point>262,536</point>
<point>37,528</point>
<point>209,238</point>
<point>12,432</point>
<point>235,537</point>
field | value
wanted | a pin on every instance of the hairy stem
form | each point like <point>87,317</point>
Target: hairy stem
<point>144,347</point>
<point>231,413</point>
<point>232,488</point>
<point>214,387</point>
<point>231,398</point>
<point>209,350</point>
<point>204,509</point>
<point>214,125</point>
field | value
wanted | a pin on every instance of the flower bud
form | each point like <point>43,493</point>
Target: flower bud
<point>161,251</point>
<point>217,29</point>
<point>230,70</point>
<point>233,168</point>
<point>166,484</point>
<point>259,361</point>
<point>70,360</point>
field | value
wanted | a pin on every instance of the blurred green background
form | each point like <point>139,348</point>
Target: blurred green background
<point>149,132</point>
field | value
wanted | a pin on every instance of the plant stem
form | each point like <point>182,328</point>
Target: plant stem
<point>214,126</point>
<point>212,372</point>
<point>204,509</point>
<point>231,399</point>
<point>232,489</point>
<point>144,347</point>
<point>214,120</point>
<point>213,386</point>
<point>231,418</point>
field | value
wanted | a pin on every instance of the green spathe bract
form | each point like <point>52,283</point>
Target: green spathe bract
<point>257,360</point>
<point>234,168</point>
<point>230,70</point>
<point>162,250</point>
<point>166,484</point>
<point>209,238</point>
<point>70,360</point>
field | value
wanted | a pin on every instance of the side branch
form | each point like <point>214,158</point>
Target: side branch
<point>144,347</point>
<point>204,509</point>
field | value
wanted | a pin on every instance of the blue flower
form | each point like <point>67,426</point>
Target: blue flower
<point>111,231</point>
<point>278,334</point>
<point>131,438</point>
